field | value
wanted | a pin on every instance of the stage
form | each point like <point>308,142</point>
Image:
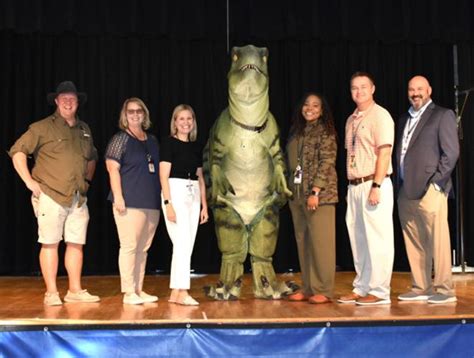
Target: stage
<point>298,327</point>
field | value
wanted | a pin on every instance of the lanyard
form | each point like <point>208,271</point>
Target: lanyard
<point>354,133</point>
<point>149,158</point>
<point>353,141</point>
<point>299,151</point>
<point>408,131</point>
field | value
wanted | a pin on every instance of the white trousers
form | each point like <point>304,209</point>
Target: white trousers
<point>136,230</point>
<point>186,200</point>
<point>370,231</point>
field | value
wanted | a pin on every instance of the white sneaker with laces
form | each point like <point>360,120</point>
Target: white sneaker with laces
<point>132,299</point>
<point>147,298</point>
<point>80,296</point>
<point>52,299</point>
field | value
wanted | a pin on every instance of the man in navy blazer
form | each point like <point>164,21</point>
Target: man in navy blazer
<point>427,151</point>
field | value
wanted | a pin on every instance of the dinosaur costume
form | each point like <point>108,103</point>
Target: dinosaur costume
<point>245,174</point>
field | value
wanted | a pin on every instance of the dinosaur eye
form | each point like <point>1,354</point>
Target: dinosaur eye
<point>235,57</point>
<point>264,59</point>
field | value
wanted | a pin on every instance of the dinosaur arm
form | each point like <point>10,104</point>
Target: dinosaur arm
<point>220,185</point>
<point>278,184</point>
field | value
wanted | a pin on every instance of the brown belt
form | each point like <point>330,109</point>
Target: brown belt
<point>363,180</point>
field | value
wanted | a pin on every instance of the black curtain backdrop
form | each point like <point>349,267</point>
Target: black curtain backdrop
<point>171,52</point>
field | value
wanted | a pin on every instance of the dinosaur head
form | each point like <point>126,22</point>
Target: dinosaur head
<point>248,75</point>
<point>248,83</point>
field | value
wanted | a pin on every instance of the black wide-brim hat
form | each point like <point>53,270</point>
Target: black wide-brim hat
<point>66,87</point>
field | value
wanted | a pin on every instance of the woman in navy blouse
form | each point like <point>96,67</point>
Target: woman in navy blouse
<point>132,160</point>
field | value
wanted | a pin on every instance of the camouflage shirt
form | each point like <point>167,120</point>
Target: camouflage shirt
<point>315,151</point>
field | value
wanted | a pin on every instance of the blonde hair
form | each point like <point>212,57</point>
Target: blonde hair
<point>177,110</point>
<point>123,123</point>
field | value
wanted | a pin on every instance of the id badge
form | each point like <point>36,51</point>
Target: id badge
<point>151,168</point>
<point>190,190</point>
<point>298,175</point>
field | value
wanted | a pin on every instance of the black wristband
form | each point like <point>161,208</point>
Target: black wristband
<point>375,185</point>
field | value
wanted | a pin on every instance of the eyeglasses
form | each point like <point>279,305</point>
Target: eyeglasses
<point>139,111</point>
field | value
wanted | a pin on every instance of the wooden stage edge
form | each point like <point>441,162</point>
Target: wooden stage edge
<point>21,306</point>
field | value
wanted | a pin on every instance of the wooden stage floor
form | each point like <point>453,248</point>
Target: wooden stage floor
<point>21,304</point>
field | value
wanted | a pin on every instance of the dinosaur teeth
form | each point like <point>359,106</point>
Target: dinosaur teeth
<point>250,67</point>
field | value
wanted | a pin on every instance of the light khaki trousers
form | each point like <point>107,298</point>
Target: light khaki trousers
<point>426,234</point>
<point>136,229</point>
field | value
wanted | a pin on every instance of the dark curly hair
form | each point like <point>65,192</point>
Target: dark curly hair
<point>298,122</point>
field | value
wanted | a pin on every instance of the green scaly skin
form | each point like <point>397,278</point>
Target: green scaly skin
<point>245,175</point>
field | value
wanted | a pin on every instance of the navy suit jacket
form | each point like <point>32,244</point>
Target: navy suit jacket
<point>432,152</point>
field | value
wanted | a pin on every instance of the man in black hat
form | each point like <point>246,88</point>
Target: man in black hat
<point>65,159</point>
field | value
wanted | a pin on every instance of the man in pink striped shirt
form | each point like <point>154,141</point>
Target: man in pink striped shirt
<point>369,143</point>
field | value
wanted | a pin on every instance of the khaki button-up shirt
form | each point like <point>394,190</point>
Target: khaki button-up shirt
<point>61,155</point>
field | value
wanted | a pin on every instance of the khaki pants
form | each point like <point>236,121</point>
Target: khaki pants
<point>316,241</point>
<point>136,229</point>
<point>426,233</point>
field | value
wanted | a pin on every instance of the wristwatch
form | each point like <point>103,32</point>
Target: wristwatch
<point>166,202</point>
<point>375,185</point>
<point>315,193</point>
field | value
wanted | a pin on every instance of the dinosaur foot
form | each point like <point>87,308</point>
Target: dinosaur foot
<point>221,292</point>
<point>275,291</point>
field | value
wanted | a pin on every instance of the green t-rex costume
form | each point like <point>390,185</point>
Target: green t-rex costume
<point>245,175</point>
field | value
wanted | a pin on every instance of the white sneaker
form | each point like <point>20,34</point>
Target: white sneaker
<point>80,296</point>
<point>52,299</point>
<point>147,298</point>
<point>132,299</point>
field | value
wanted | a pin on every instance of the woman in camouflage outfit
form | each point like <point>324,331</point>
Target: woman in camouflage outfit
<point>311,155</point>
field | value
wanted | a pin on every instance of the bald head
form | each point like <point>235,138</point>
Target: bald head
<point>419,92</point>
